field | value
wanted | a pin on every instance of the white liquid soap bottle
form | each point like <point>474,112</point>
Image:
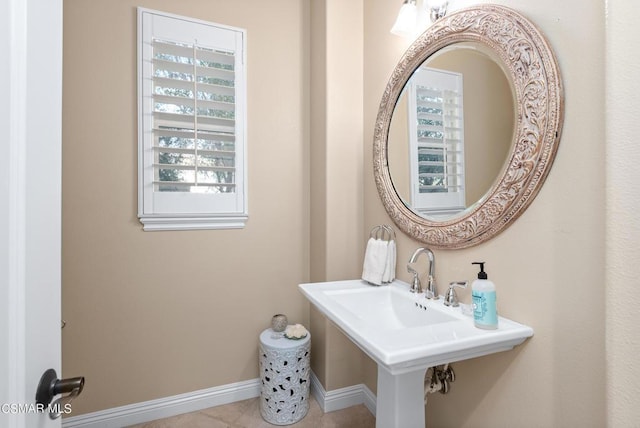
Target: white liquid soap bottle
<point>483,293</point>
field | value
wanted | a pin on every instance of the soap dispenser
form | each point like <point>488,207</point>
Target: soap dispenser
<point>483,293</point>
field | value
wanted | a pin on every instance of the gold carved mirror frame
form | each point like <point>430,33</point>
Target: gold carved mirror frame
<point>529,63</point>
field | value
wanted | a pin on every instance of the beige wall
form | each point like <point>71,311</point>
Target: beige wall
<point>549,265</point>
<point>623,223</point>
<point>337,239</point>
<point>144,321</point>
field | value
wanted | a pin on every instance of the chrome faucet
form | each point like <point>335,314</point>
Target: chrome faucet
<point>430,291</point>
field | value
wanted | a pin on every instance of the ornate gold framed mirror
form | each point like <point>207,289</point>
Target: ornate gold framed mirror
<point>424,192</point>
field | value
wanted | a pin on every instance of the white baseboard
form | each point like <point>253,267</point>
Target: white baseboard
<point>342,398</point>
<point>146,411</point>
<point>369,399</point>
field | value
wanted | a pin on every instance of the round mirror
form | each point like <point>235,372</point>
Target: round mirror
<point>451,131</point>
<point>468,127</point>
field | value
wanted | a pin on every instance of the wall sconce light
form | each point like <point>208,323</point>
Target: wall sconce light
<point>411,19</point>
<point>407,19</point>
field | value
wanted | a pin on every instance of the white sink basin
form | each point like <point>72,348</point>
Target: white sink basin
<point>386,308</point>
<point>401,330</point>
<point>406,334</point>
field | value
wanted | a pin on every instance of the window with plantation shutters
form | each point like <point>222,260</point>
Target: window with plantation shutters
<point>436,135</point>
<point>191,123</point>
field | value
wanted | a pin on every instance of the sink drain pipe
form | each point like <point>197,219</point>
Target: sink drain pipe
<point>438,379</point>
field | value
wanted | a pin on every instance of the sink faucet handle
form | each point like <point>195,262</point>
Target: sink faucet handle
<point>451,298</point>
<point>415,284</point>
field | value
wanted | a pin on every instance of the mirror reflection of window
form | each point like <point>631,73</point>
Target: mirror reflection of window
<point>436,142</point>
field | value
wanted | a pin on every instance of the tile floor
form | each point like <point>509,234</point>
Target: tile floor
<point>246,414</point>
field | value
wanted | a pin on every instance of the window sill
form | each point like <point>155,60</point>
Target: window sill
<point>158,223</point>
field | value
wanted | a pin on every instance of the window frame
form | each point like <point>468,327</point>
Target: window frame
<point>185,210</point>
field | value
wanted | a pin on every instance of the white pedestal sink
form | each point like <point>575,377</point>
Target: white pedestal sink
<point>406,334</point>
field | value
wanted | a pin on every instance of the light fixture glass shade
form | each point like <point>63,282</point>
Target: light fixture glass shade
<point>405,24</point>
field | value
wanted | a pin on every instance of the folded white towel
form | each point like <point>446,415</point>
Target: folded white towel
<point>390,265</point>
<point>375,261</point>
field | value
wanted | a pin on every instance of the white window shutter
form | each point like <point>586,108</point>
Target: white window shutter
<point>436,133</point>
<point>192,106</point>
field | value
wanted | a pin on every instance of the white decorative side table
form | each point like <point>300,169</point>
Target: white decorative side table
<point>284,372</point>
